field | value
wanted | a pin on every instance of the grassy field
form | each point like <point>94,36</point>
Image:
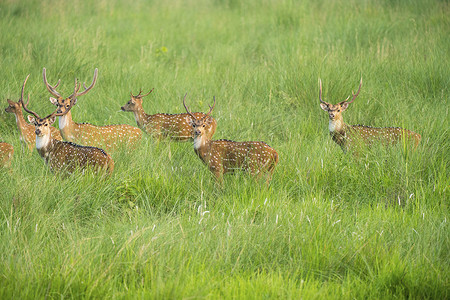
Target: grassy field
<point>330,225</point>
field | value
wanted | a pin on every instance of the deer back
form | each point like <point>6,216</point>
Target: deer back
<point>223,156</point>
<point>385,135</point>
<point>107,137</point>
<point>176,126</point>
<point>68,156</point>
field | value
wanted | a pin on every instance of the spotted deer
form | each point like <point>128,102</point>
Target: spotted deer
<point>173,126</point>
<point>351,136</point>
<point>108,137</point>
<point>6,154</point>
<point>26,130</point>
<point>66,156</point>
<point>224,156</point>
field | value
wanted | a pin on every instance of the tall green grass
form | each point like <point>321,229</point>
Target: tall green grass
<point>330,225</point>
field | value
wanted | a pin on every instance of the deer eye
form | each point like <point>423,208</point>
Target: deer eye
<point>339,110</point>
<point>204,125</point>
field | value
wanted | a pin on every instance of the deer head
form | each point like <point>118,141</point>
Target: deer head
<point>335,110</point>
<point>135,102</point>
<point>42,125</point>
<point>65,104</point>
<point>199,125</point>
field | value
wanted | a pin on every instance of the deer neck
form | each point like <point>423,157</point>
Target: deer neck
<point>140,116</point>
<point>21,123</point>
<point>202,147</point>
<point>44,145</point>
<point>336,126</point>
<point>66,126</point>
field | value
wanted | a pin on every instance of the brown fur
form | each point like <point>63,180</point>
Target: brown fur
<point>6,154</point>
<point>352,136</point>
<point>225,156</point>
<point>26,130</point>
<point>173,126</point>
<point>67,156</point>
<point>108,137</point>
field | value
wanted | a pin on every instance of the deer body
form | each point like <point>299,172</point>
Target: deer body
<point>67,156</point>
<point>173,126</point>
<point>224,156</point>
<point>107,137</point>
<point>352,136</point>
<point>6,154</point>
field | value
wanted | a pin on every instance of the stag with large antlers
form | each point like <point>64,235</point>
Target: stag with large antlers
<point>173,126</point>
<point>224,156</point>
<point>26,130</point>
<point>108,137</point>
<point>349,136</point>
<point>66,156</point>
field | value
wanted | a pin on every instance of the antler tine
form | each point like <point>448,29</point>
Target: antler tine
<point>320,91</point>
<point>29,111</point>
<point>211,108</point>
<point>50,88</point>
<point>23,89</point>
<point>187,109</point>
<point>147,93</point>
<point>94,80</point>
<point>357,93</point>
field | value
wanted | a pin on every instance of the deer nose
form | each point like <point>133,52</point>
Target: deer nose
<point>37,131</point>
<point>122,108</point>
<point>331,116</point>
<point>197,132</point>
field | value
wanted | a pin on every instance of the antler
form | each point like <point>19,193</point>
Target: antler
<point>187,109</point>
<point>86,89</point>
<point>23,89</point>
<point>50,88</point>
<point>320,92</point>
<point>28,100</point>
<point>141,96</point>
<point>210,108</point>
<point>355,95</point>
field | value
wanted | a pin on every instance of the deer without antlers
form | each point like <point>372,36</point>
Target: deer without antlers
<point>348,136</point>
<point>223,156</point>
<point>108,137</point>
<point>26,130</point>
<point>66,156</point>
<point>173,126</point>
<point>6,154</point>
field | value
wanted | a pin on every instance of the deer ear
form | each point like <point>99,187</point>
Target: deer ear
<point>208,121</point>
<point>31,119</point>
<point>53,101</point>
<point>10,102</point>
<point>52,120</point>
<point>189,120</point>
<point>324,106</point>
<point>344,106</point>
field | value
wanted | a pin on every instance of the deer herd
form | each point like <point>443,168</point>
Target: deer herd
<point>82,145</point>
